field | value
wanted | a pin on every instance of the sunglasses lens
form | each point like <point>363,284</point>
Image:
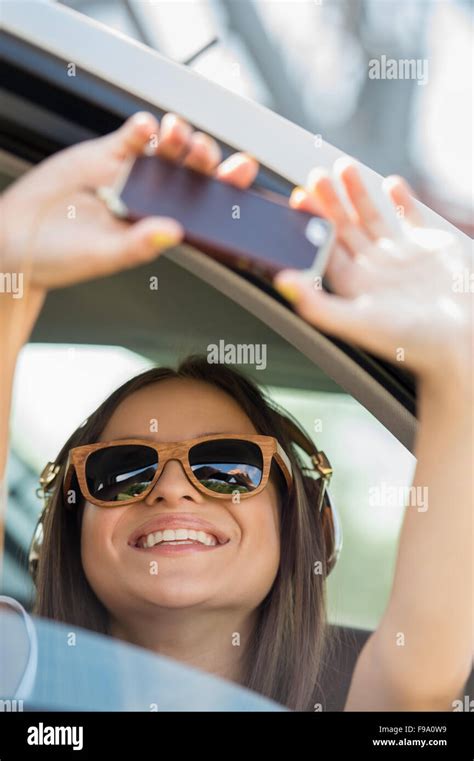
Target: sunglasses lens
<point>227,465</point>
<point>118,473</point>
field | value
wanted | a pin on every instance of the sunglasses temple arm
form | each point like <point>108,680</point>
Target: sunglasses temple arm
<point>286,461</point>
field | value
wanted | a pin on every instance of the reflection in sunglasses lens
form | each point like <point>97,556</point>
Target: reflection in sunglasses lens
<point>227,465</point>
<point>119,473</point>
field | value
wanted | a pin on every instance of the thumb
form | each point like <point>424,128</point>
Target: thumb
<point>139,243</point>
<point>328,312</point>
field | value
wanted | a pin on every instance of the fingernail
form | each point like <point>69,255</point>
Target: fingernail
<point>164,239</point>
<point>288,290</point>
<point>344,162</point>
<point>298,194</point>
<point>315,176</point>
<point>213,152</point>
<point>172,122</point>
<point>391,181</point>
<point>232,162</point>
<point>142,117</point>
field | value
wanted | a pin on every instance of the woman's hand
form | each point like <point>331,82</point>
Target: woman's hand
<point>395,296</point>
<point>58,232</point>
<point>55,231</point>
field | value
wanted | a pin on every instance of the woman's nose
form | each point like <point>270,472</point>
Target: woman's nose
<point>172,485</point>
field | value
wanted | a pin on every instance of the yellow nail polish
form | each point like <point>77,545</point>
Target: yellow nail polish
<point>288,291</point>
<point>164,240</point>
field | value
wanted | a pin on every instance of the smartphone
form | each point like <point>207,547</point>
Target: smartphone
<point>250,230</point>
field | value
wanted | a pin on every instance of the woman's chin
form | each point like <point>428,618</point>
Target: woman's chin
<point>175,598</point>
<point>169,588</point>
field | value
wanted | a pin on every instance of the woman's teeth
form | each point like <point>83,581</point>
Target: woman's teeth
<point>177,536</point>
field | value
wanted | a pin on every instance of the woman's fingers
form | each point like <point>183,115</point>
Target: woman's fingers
<point>240,170</point>
<point>134,135</point>
<point>96,162</point>
<point>324,201</point>
<point>201,152</point>
<point>204,153</point>
<point>369,217</point>
<point>343,269</point>
<point>328,312</point>
<point>174,137</point>
<point>347,276</point>
<point>351,320</point>
<point>340,268</point>
<point>303,200</point>
<point>401,195</point>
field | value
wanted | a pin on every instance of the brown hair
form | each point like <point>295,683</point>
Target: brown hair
<point>284,655</point>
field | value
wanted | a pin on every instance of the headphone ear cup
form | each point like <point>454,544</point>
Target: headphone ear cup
<point>329,533</point>
<point>33,551</point>
<point>313,488</point>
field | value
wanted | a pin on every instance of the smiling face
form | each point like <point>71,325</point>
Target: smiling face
<point>237,572</point>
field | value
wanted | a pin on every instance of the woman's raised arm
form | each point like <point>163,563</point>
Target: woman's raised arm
<point>55,231</point>
<point>403,298</point>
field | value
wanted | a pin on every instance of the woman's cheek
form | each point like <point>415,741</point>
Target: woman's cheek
<point>260,539</point>
<point>96,536</point>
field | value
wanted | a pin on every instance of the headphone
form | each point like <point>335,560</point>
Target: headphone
<point>319,470</point>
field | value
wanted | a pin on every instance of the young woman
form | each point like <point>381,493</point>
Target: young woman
<point>197,538</point>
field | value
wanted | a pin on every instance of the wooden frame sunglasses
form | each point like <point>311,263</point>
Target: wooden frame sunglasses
<point>265,447</point>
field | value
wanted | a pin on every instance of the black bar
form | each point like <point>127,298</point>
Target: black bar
<point>314,735</point>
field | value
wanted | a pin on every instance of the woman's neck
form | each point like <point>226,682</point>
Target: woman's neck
<point>214,641</point>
